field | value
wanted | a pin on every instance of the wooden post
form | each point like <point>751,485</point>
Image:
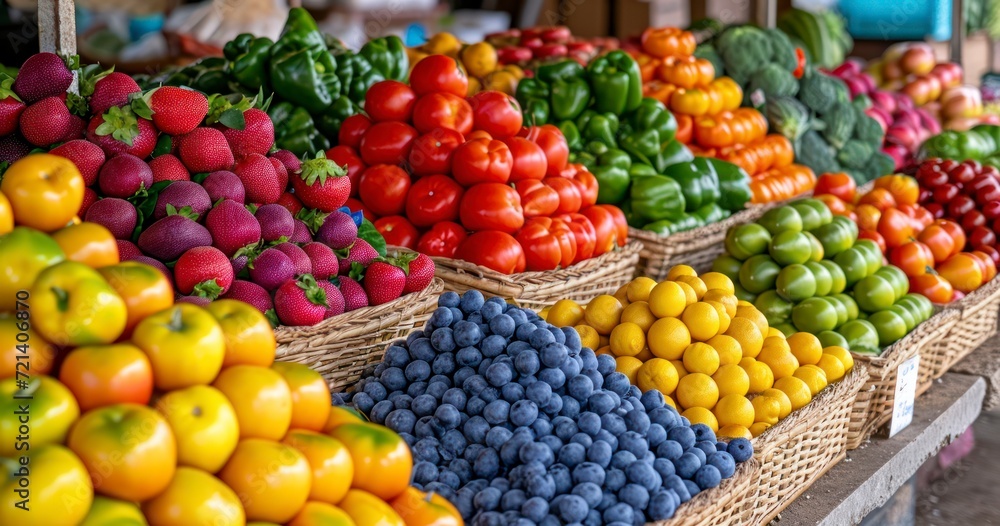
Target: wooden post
<point>57,26</point>
<point>957,30</point>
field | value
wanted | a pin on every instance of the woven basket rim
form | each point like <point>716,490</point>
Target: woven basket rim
<point>706,503</point>
<point>898,351</point>
<point>977,297</point>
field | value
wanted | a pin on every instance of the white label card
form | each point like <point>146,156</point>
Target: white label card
<point>906,392</point>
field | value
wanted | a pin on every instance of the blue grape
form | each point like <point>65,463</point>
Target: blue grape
<point>363,401</point>
<point>600,453</point>
<point>381,410</point>
<point>724,462</point>
<point>527,362</point>
<point>621,512</point>
<point>427,449</point>
<point>513,500</point>
<point>535,509</point>
<point>493,345</point>
<point>467,333</point>
<point>448,299</point>
<point>623,459</point>
<point>541,338</point>
<point>682,435</point>
<point>499,374</point>
<point>441,317</point>
<point>475,385</point>
<point>416,389</point>
<point>487,463</point>
<point>448,416</point>
<point>580,387</point>
<point>588,472</point>
<point>601,402</point>
<point>468,357</point>
<point>512,392</point>
<point>496,412</point>
<point>402,401</point>
<point>613,424</point>
<point>475,429</point>
<point>552,354</point>
<point>573,508</point>
<point>634,443</point>
<point>643,474</point>
<point>554,377</point>
<point>687,465</point>
<point>661,506</point>
<point>421,349</point>
<point>741,449</point>
<point>539,392</point>
<point>471,301</point>
<point>488,499</point>
<point>541,426</point>
<point>708,477</point>
<point>634,495</point>
<point>401,420</point>
<point>396,356</point>
<point>424,405</point>
<point>424,472</point>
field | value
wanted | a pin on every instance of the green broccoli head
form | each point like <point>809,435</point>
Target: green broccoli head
<point>818,90</point>
<point>774,81</point>
<point>867,129</point>
<point>745,50</point>
<point>855,154</point>
<point>812,151</point>
<point>782,50</point>
<point>839,124</point>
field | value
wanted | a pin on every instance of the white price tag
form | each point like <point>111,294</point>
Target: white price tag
<point>906,392</point>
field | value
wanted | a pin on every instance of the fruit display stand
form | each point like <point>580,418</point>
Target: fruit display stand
<point>977,322</point>
<point>341,347</point>
<point>874,403</point>
<point>603,274</point>
<point>733,502</point>
<point>796,451</point>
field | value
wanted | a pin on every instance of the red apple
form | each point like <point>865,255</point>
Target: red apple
<point>917,60</point>
<point>949,73</point>
<point>945,193</point>
<point>972,219</point>
<point>991,210</point>
<point>550,51</point>
<point>513,55</point>
<point>556,34</point>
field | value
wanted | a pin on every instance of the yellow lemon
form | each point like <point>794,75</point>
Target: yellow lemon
<point>645,355</point>
<point>696,284</point>
<point>588,336</point>
<point>627,339</point>
<point>732,379</point>
<point>734,410</point>
<point>702,321</point>
<point>797,391</point>
<point>629,366</point>
<point>679,367</point>
<point>806,348</point>
<point>728,348</point>
<point>784,404</point>
<point>668,338</point>
<point>605,349</point>
<point>774,341</point>
<point>622,295</point>
<point>677,271</point>
<point>751,313</point>
<point>760,374</point>
<point>565,313</point>
<point>723,297</point>
<point>734,432</point>
<point>700,415</point>
<point>758,428</point>
<point>639,288</point>
<point>638,313</point>
<point>718,280</point>
<point>724,318</point>
<point>841,354</point>
<point>544,313</point>
<point>781,362</point>
<point>697,390</point>
<point>813,376</point>
<point>832,366</point>
<point>744,303</point>
<point>669,400</point>
<point>747,333</point>
<point>603,313</point>
<point>657,374</point>
<point>690,296</point>
<point>766,409</point>
<point>667,300</point>
<point>771,331</point>
<point>701,358</point>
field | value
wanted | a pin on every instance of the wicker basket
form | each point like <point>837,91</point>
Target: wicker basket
<point>733,502</point>
<point>803,446</point>
<point>341,347</point>
<point>536,290</point>
<point>873,406</point>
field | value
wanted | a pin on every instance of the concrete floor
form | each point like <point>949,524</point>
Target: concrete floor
<point>968,491</point>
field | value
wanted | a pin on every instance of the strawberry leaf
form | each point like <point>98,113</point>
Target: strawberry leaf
<point>163,146</point>
<point>207,289</point>
<point>312,217</point>
<point>280,240</point>
<point>120,124</point>
<point>199,177</point>
<point>260,102</point>
<point>141,108</point>
<point>403,261</point>
<point>89,75</point>
<point>233,118</point>
<point>272,317</point>
<point>251,207</point>
<point>6,90</point>
<point>185,211</point>
<point>3,168</point>
<point>77,105</point>
<point>251,252</point>
<point>314,293</point>
<point>368,232</point>
<point>357,272</point>
<point>319,169</point>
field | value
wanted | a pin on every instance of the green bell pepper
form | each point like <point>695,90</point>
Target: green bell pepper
<point>958,145</point>
<point>587,159</point>
<point>572,134</point>
<point>533,95</point>
<point>295,130</point>
<point>330,120</point>
<point>612,176</point>
<point>600,127</point>
<point>651,114</point>
<point>302,69</point>
<point>656,197</point>
<point>674,152</point>
<point>596,147</point>
<point>641,170</point>
<point>616,81</point>
<point>734,184</point>
<point>709,180</point>
<point>666,227</point>
<point>387,55</point>
<point>248,59</point>
<point>364,75</point>
<point>570,92</point>
<point>711,213</point>
<point>989,130</point>
<point>689,177</point>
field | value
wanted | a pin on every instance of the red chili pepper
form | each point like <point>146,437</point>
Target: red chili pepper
<point>800,58</point>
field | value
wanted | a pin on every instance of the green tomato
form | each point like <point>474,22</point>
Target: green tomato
<point>834,237</point>
<point>852,262</point>
<point>890,326</point>
<point>852,227</point>
<point>759,274</point>
<point>923,305</point>
<point>838,282</point>
<point>824,281</point>
<point>795,283</point>
<point>810,216</point>
<point>825,215</point>
<point>775,308</point>
<point>874,294</point>
<point>747,240</point>
<point>860,334</point>
<point>904,313</point>
<point>742,294</point>
<point>789,248</point>
<point>817,247</point>
<point>873,254</point>
<point>897,278</point>
<point>832,338</point>
<point>814,316</point>
<point>781,219</point>
<point>850,304</point>
<point>840,308</point>
<point>786,328</point>
<point>728,265</point>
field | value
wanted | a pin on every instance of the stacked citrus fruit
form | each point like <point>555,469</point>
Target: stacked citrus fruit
<point>714,356</point>
<point>124,407</point>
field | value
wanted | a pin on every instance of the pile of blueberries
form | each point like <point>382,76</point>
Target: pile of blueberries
<point>514,422</point>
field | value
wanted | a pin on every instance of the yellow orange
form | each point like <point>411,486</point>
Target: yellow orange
<point>723,297</point>
<point>657,374</point>
<point>588,336</point>
<point>702,321</point>
<point>751,313</point>
<point>627,339</point>
<point>701,358</point>
<point>760,374</point>
<point>798,391</point>
<point>784,403</point>
<point>718,280</point>
<point>638,313</point>
<point>639,288</point>
<point>732,379</point>
<point>766,409</point>
<point>603,313</point>
<point>734,410</point>
<point>679,367</point>
<point>629,366</point>
<point>734,432</point>
<point>832,366</point>
<point>782,363</point>
<point>806,348</point>
<point>565,313</point>
<point>700,415</point>
<point>677,271</point>
<point>728,348</point>
<point>813,376</point>
<point>749,336</point>
<point>690,296</point>
<point>758,428</point>
<point>697,390</point>
<point>841,354</point>
<point>622,295</point>
<point>668,338</point>
<point>696,284</point>
<point>667,299</point>
<point>724,318</point>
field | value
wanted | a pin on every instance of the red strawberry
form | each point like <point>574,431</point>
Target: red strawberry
<point>250,292</point>
<point>322,184</point>
<point>259,180</point>
<point>300,260</point>
<point>112,90</point>
<point>11,107</point>
<point>87,156</point>
<point>280,172</point>
<point>289,201</point>
<point>224,185</point>
<point>271,268</point>
<point>322,259</point>
<point>45,122</point>
<point>177,111</point>
<point>203,271</point>
<point>301,233</point>
<point>117,215</point>
<point>120,131</point>
<point>334,299</point>
<point>89,198</point>
<point>12,148</point>
<point>383,282</point>
<point>232,227</point>
<point>42,75</point>
<point>194,300</point>
<point>301,301</point>
<point>166,167</point>
<point>289,159</point>
<point>206,150</point>
<point>124,175</point>
<point>77,129</point>
<point>256,137</point>
<point>354,294</point>
<point>360,252</point>
<point>127,251</point>
<point>419,272</point>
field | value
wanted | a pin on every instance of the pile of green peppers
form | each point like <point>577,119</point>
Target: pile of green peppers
<point>628,143</point>
<point>316,82</point>
<point>981,143</point>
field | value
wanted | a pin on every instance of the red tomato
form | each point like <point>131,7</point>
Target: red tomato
<point>960,205</point>
<point>604,227</point>
<point>945,193</point>
<point>939,241</point>
<point>491,206</point>
<point>981,235</point>
<point>621,224</point>
<point>972,219</point>
<point>988,265</point>
<point>348,158</point>
<point>963,271</point>
<point>442,239</point>
<point>585,234</point>
<point>895,227</point>
<point>547,243</point>
<point>353,129</point>
<point>537,199</point>
<point>529,159</point>
<point>482,161</point>
<point>554,144</point>
<point>496,113</point>
<point>837,184</point>
<point>992,252</point>
<point>874,236</point>
<point>932,286</point>
<point>586,183</point>
<point>356,205</point>
<point>992,210</point>
<point>387,143</point>
<point>398,231</point>
<point>443,110</point>
<point>390,100</point>
<point>383,188</point>
<point>570,199</point>
<point>433,199</point>
<point>935,209</point>
<point>495,250</point>
<point>913,258</point>
<point>478,134</point>
<point>439,73</point>
<point>956,233</point>
<point>432,151</point>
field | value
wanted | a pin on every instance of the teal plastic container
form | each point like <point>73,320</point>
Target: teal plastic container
<point>897,19</point>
